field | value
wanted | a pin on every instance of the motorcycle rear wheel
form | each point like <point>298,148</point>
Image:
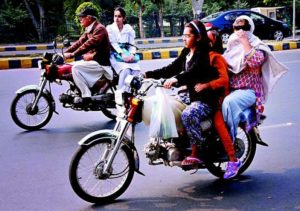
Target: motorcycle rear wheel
<point>86,177</point>
<point>24,116</point>
<point>218,168</point>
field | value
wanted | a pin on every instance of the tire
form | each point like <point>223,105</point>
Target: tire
<point>110,113</point>
<point>246,156</point>
<point>95,189</point>
<point>23,116</point>
<point>225,36</point>
<point>278,35</point>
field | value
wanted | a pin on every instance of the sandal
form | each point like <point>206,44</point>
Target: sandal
<point>188,161</point>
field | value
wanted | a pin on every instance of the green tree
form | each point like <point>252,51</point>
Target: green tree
<point>11,16</point>
<point>134,10</point>
<point>141,7</point>
<point>177,12</point>
<point>160,6</point>
<point>38,22</point>
<point>85,5</point>
<point>11,19</point>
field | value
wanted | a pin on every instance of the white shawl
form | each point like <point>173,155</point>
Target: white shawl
<point>272,69</point>
<point>127,35</point>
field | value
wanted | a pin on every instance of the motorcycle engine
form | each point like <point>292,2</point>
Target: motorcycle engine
<point>174,154</point>
<point>66,99</point>
<point>166,151</point>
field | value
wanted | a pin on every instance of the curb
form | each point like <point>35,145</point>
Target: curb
<point>28,47</point>
<point>50,46</point>
<point>157,41</point>
<point>31,62</point>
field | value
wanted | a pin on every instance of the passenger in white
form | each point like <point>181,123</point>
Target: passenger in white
<point>123,57</point>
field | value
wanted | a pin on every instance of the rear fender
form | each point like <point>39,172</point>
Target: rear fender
<point>254,133</point>
<point>111,134</point>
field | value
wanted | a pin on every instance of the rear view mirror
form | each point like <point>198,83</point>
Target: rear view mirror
<point>66,43</point>
<point>54,43</point>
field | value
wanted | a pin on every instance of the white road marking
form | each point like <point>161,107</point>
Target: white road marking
<point>291,62</point>
<point>288,124</point>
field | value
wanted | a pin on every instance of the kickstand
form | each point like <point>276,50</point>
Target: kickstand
<point>195,171</point>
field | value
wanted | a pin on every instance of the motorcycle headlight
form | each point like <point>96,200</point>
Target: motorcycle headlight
<point>122,97</point>
<point>58,59</point>
<point>47,57</point>
<point>133,82</point>
<point>40,64</point>
<point>119,97</point>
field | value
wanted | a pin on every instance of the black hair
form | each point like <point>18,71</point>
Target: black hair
<point>218,45</point>
<point>247,25</point>
<point>204,41</point>
<point>122,11</point>
<point>203,48</point>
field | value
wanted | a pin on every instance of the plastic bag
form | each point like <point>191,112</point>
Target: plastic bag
<point>162,123</point>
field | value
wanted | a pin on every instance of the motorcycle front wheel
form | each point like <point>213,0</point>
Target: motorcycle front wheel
<point>86,172</point>
<point>27,118</point>
<point>245,149</point>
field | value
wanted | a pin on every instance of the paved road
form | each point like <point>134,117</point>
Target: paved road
<point>34,165</point>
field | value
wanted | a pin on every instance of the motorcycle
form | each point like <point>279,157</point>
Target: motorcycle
<point>34,105</point>
<point>104,164</point>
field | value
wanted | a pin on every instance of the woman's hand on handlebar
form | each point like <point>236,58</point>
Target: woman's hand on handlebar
<point>169,82</point>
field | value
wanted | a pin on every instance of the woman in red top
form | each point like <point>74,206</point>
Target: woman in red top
<point>221,85</point>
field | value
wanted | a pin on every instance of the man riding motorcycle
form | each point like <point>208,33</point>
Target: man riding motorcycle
<point>94,48</point>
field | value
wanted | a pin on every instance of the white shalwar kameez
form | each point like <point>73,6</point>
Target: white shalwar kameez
<point>127,35</point>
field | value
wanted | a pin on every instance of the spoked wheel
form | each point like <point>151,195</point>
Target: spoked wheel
<point>245,149</point>
<point>278,35</point>
<point>225,36</point>
<point>111,110</point>
<point>25,116</point>
<point>87,177</point>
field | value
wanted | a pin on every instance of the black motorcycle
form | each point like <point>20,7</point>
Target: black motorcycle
<point>104,165</point>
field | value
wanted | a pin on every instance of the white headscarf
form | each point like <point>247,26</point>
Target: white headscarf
<point>272,69</point>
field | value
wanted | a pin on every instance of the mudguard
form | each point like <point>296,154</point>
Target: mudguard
<point>249,118</point>
<point>100,134</point>
<point>256,136</point>
<point>37,88</point>
<point>104,134</point>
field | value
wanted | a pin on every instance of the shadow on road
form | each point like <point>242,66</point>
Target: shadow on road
<point>86,127</point>
<point>255,192</point>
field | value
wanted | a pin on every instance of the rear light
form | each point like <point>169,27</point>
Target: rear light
<point>208,26</point>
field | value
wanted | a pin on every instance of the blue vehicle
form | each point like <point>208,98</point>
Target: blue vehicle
<point>265,28</point>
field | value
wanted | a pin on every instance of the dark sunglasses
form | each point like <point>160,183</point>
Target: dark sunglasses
<point>245,27</point>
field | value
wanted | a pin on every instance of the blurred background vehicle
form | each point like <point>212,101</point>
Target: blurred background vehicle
<point>265,28</point>
<point>276,13</point>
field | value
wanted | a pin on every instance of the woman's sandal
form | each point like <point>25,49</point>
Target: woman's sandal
<point>191,161</point>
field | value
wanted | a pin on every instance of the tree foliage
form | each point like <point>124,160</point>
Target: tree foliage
<point>11,16</point>
<point>33,20</point>
<point>85,5</point>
